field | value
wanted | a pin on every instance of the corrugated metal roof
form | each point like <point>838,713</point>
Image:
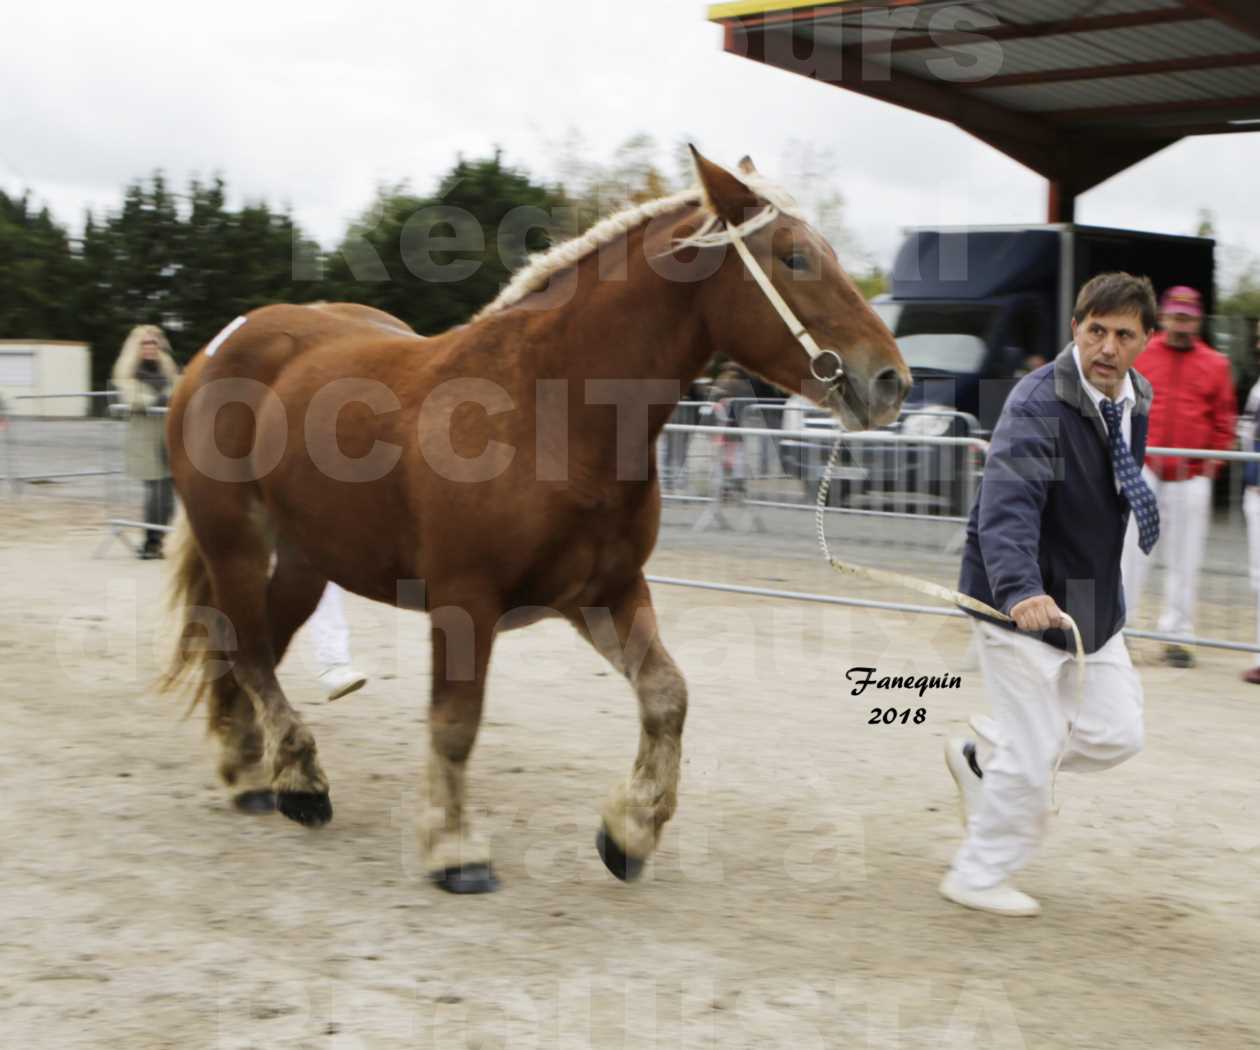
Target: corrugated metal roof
<point>1067,51</point>
<point>964,67</point>
<point>1018,12</point>
<point>1127,91</point>
<point>1191,39</point>
<point>1007,12</point>
<point>1061,50</point>
<point>1075,89</point>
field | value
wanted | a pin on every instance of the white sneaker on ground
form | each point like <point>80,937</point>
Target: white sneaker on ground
<point>341,680</point>
<point>986,729</point>
<point>1002,899</point>
<point>960,757</point>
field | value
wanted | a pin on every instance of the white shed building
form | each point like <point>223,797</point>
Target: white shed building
<point>42,367</point>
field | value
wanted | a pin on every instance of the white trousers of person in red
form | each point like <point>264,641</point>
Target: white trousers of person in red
<point>1184,511</point>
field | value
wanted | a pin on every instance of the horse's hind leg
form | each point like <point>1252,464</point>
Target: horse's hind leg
<point>238,556</point>
<point>625,633</point>
<point>232,722</point>
<point>292,594</point>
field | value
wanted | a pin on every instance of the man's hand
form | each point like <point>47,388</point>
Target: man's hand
<point>1038,613</point>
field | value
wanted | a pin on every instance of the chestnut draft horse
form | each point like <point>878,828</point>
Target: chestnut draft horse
<point>495,474</point>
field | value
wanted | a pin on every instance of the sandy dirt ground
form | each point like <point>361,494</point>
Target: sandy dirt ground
<point>793,902</point>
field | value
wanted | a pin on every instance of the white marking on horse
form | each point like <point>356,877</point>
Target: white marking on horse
<point>214,344</point>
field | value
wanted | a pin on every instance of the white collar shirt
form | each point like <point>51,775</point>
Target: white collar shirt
<point>1127,400</point>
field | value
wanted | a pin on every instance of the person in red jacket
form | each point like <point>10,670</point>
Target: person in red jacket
<point>1194,408</point>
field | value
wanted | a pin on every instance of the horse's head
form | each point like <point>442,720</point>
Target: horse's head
<point>782,306</point>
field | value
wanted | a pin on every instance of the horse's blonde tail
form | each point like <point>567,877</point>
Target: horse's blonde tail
<point>188,596</point>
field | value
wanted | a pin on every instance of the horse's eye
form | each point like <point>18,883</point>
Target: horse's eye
<point>795,261</point>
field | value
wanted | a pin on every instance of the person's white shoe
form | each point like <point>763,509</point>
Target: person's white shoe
<point>341,680</point>
<point>986,729</point>
<point>1002,899</point>
<point>960,757</point>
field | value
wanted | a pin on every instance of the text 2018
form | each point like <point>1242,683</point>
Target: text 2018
<point>890,715</point>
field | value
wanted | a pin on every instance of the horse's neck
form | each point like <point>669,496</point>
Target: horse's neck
<point>638,329</point>
<point>624,341</point>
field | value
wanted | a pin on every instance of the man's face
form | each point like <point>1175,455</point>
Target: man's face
<point>1180,329</point>
<point>1109,344</point>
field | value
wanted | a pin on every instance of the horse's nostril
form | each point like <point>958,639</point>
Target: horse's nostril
<point>890,387</point>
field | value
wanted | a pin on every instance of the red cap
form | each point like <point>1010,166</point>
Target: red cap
<point>1181,300</point>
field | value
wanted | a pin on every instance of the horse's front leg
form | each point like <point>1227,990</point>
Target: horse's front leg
<point>455,857</point>
<point>635,813</point>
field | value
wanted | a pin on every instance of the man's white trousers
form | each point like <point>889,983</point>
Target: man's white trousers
<point>1032,689</point>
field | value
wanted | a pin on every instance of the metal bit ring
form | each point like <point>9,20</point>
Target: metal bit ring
<point>835,375</point>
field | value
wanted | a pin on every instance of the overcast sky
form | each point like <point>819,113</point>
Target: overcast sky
<point>314,104</point>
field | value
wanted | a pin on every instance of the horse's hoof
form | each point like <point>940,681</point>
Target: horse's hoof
<point>627,869</point>
<point>310,808</point>
<point>467,878</point>
<point>260,800</point>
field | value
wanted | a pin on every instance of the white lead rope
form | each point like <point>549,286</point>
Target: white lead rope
<point>934,590</point>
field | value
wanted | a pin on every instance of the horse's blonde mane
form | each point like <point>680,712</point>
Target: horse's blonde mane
<point>543,266</point>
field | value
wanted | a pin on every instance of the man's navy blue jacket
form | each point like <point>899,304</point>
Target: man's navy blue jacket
<point>1048,518</point>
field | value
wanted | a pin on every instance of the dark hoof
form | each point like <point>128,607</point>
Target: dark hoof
<point>311,808</point>
<point>627,869</point>
<point>261,800</point>
<point>467,878</point>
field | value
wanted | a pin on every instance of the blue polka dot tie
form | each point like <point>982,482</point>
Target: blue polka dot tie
<point>1136,491</point>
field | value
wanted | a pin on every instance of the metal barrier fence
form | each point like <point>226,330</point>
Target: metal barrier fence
<point>764,452</point>
<point>734,479</point>
<point>759,478</point>
<point>83,454</point>
<point>35,428</point>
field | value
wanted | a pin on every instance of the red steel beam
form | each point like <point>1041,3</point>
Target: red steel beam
<point>1036,30</point>
<point>837,13</point>
<point>1060,203</point>
<point>1149,109</point>
<point>1184,130</point>
<point>1240,14</point>
<point>1131,69</point>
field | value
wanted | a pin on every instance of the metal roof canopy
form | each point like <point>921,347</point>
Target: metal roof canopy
<point>1076,90</point>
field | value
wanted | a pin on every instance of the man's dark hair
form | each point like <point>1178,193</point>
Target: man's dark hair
<point>1117,293</point>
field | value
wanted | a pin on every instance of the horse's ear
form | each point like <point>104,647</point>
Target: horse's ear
<point>746,166</point>
<point>728,197</point>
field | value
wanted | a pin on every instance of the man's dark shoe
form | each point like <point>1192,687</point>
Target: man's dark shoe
<point>1178,656</point>
<point>1252,676</point>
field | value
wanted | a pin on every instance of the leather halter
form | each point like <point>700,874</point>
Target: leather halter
<point>818,357</point>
